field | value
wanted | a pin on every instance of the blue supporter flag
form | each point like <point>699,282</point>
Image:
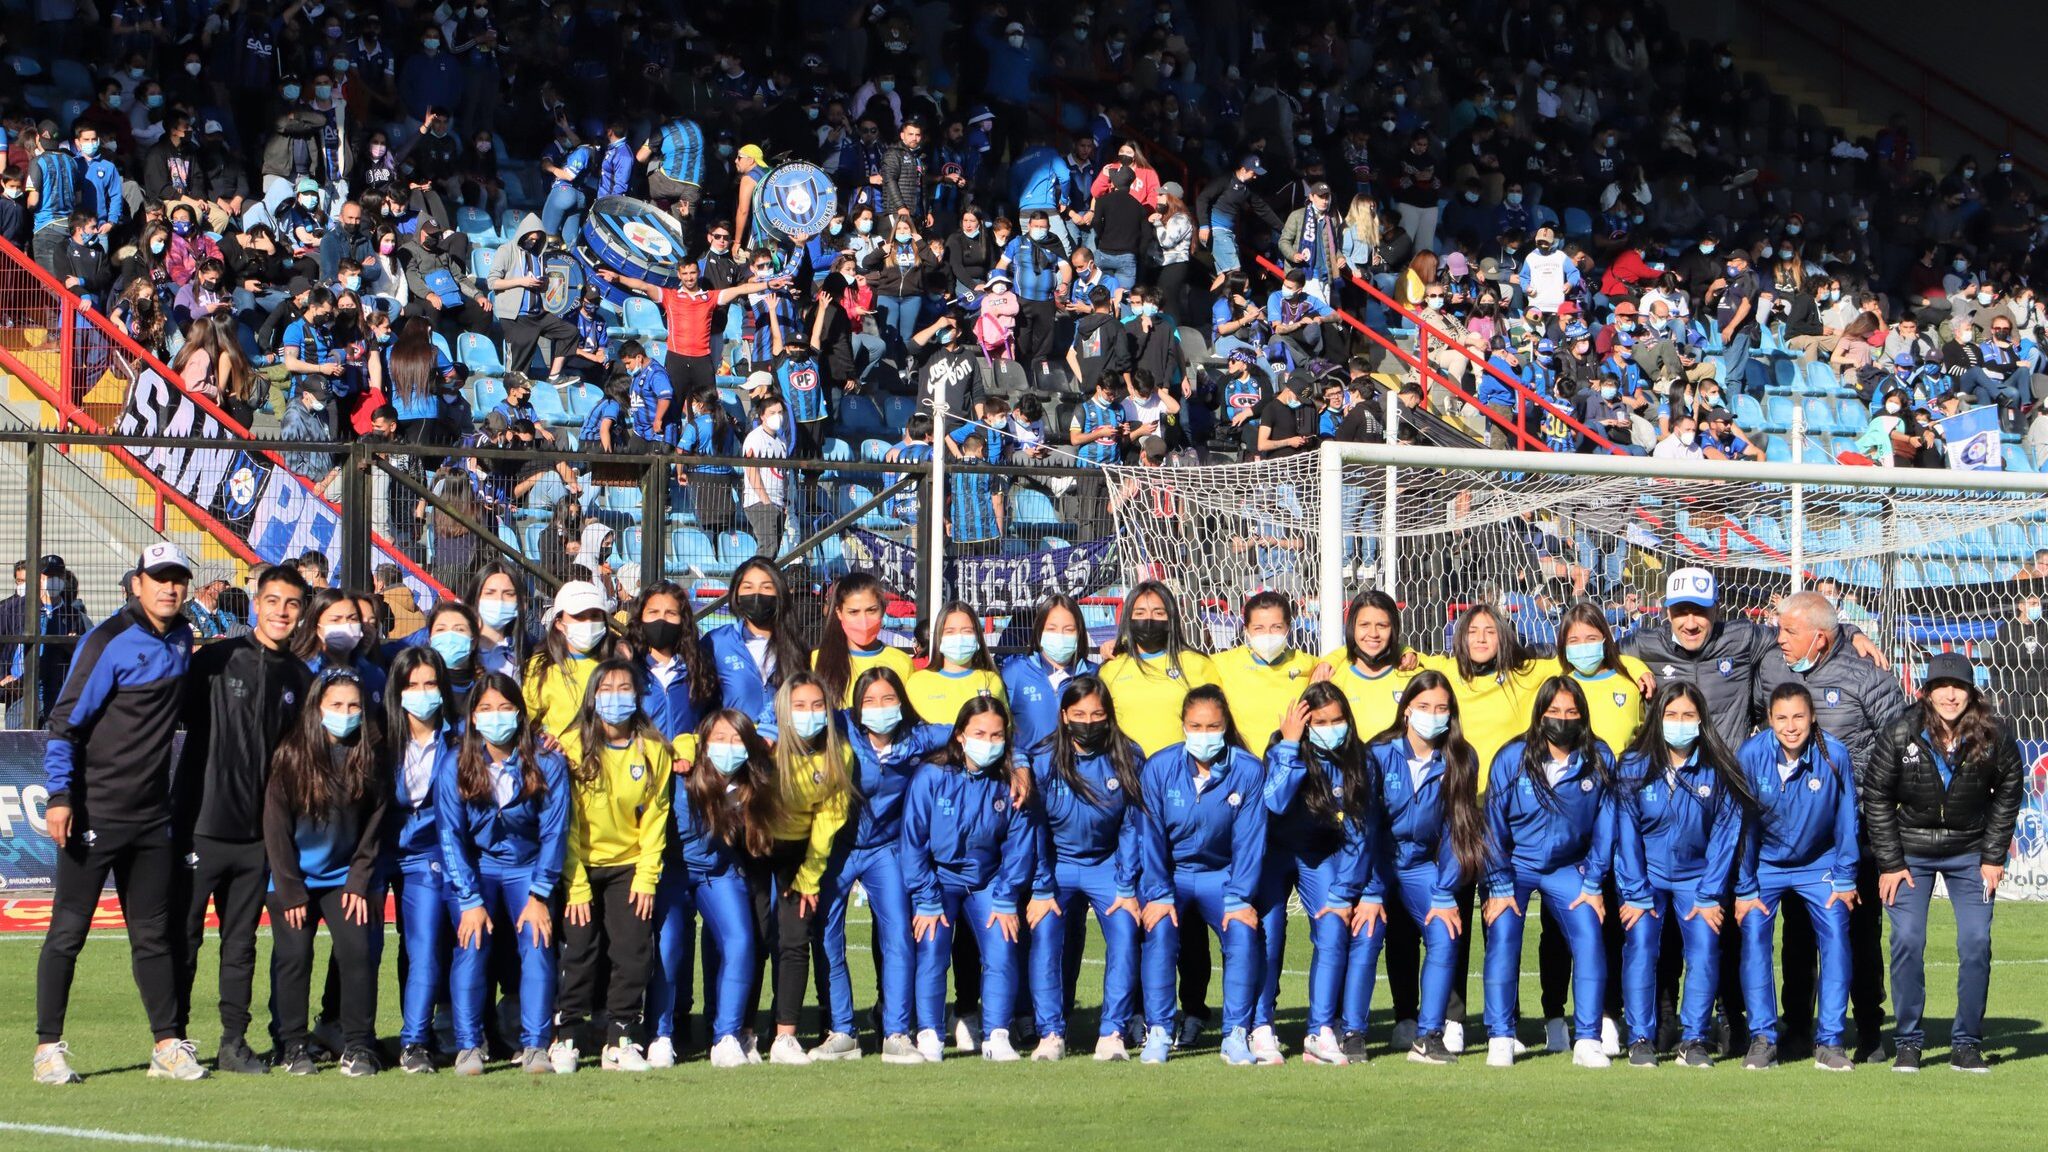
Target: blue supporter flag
<point>1972,437</point>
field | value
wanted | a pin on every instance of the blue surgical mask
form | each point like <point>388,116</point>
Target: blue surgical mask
<point>808,724</point>
<point>2032,612</point>
<point>422,703</point>
<point>500,728</point>
<point>154,100</point>
<point>1805,663</point>
<point>291,91</point>
<point>1681,733</point>
<point>982,753</point>
<point>616,707</point>
<point>1059,647</point>
<point>881,721</point>
<point>726,759</point>
<point>1204,746</point>
<point>452,647</point>
<point>498,613</point>
<point>89,148</point>
<point>1429,725</point>
<point>341,725</point>
<point>1038,233</point>
<point>1586,658</point>
<point>958,648</point>
<point>1329,737</point>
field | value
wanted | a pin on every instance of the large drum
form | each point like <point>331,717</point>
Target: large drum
<point>633,238</point>
<point>798,201</point>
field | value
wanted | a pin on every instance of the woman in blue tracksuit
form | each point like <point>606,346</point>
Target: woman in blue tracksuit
<point>1320,823</point>
<point>724,809</point>
<point>889,746</point>
<point>752,654</point>
<point>330,635</point>
<point>1680,807</point>
<point>1033,680</point>
<point>451,631</point>
<point>1803,843</point>
<point>426,734</point>
<point>1550,829</point>
<point>502,815</point>
<point>967,853</point>
<point>1432,843</point>
<point>1204,839</point>
<point>1086,778</point>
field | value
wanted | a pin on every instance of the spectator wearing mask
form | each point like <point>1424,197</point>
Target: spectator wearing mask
<point>517,280</point>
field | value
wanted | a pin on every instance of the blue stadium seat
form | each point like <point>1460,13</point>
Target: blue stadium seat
<point>1820,415</point>
<point>690,548</point>
<point>475,223</point>
<point>1540,215</point>
<point>72,78</point>
<point>1784,376</point>
<point>618,498</point>
<point>1577,224</point>
<point>578,399</point>
<point>875,451</point>
<point>479,354</point>
<point>1776,450</point>
<point>1030,506</point>
<point>1936,574</point>
<point>836,449</point>
<point>2016,459</point>
<point>1749,415</point>
<point>736,548</point>
<point>629,544</point>
<point>547,403</point>
<point>1851,417</point>
<point>644,320</point>
<point>1778,412</point>
<point>486,393</point>
<point>480,262</point>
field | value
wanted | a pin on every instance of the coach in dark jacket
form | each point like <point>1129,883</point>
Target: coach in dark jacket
<point>903,174</point>
<point>1940,798</point>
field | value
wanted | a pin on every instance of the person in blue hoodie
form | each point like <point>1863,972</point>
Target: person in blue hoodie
<point>1085,776</point>
<point>1432,843</point>
<point>889,745</point>
<point>426,732</point>
<point>1550,829</point>
<point>323,824</point>
<point>1320,826</point>
<point>1033,680</point>
<point>681,683</point>
<point>1681,804</point>
<point>967,852</point>
<point>1204,829</point>
<point>501,812</point>
<point>1803,844</point>
<point>753,653</point>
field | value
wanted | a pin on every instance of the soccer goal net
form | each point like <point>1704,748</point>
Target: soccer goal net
<point>1923,562</point>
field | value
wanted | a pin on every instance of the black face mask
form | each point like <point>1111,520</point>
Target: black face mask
<point>1150,634</point>
<point>755,608</point>
<point>1378,660</point>
<point>1091,736</point>
<point>661,635</point>
<point>1564,733</point>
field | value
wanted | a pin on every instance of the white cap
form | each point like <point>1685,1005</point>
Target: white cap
<point>756,381</point>
<point>575,598</point>
<point>162,556</point>
<point>1690,586</point>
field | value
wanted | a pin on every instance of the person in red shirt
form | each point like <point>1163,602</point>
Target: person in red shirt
<point>1629,273</point>
<point>689,313</point>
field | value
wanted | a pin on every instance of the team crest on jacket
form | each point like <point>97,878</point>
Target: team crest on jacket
<point>1586,785</point>
<point>818,777</point>
<point>1621,699</point>
<point>1726,667</point>
<point>1113,784</point>
<point>1233,799</point>
<point>1813,784</point>
<point>1834,696</point>
<point>1173,673</point>
<point>638,770</point>
<point>1001,805</point>
<point>1912,753</point>
<point>1706,790</point>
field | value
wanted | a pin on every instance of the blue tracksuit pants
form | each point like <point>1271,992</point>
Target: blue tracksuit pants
<point>1120,942</point>
<point>999,961</point>
<point>1288,871</point>
<point>1200,899</point>
<point>880,875</point>
<point>1831,934</point>
<point>1504,954</point>
<point>469,972</point>
<point>1406,894</point>
<point>1639,951</point>
<point>426,919</point>
<point>727,910</point>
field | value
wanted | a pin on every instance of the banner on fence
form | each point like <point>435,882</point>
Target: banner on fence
<point>28,857</point>
<point>995,585</point>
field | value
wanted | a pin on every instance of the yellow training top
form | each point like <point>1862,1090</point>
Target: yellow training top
<point>894,659</point>
<point>1374,698</point>
<point>937,697</point>
<point>1148,695</point>
<point>813,811</point>
<point>621,817</point>
<point>553,698</point>
<point>1260,693</point>
<point>1614,703</point>
<point>1493,710</point>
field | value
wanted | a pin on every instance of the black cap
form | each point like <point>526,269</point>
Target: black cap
<point>53,565</point>
<point>1952,667</point>
<point>1720,414</point>
<point>299,286</point>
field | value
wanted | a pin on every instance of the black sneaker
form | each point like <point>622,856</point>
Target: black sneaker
<point>1831,1058</point>
<point>1968,1058</point>
<point>415,1059</point>
<point>1762,1054</point>
<point>360,1061</point>
<point>1908,1059</point>
<point>1693,1054</point>
<point>1872,1051</point>
<point>234,1056</point>
<point>297,1060</point>
<point>1353,1047</point>
<point>1642,1054</point>
<point>1429,1049</point>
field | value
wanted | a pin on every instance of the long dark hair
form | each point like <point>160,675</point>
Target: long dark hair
<point>954,754</point>
<point>879,674</point>
<point>468,672</point>
<point>1372,598</point>
<point>1346,764</point>
<point>789,654</point>
<point>397,720</point>
<point>473,761</point>
<point>554,647</point>
<point>1510,657</point>
<point>1211,694</point>
<point>1065,763</point>
<point>519,633</point>
<point>1464,816</point>
<point>1045,609</point>
<point>1176,641</point>
<point>315,782</point>
<point>1589,614</point>
<point>589,765</point>
<point>740,809</point>
<point>1976,730</point>
<point>1649,754</point>
<point>306,642</point>
<point>699,670</point>
<point>980,661</point>
<point>1536,746</point>
<point>834,664</point>
<point>410,364</point>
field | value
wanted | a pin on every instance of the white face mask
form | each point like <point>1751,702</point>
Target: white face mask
<point>772,422</point>
<point>1268,646</point>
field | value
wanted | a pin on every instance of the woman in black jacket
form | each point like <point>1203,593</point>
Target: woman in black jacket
<point>1940,798</point>
<point>970,252</point>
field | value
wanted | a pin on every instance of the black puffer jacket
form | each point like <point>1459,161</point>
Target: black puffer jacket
<point>1906,811</point>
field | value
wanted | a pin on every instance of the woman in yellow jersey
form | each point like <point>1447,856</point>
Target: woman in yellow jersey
<point>811,775</point>
<point>961,671</point>
<point>1264,676</point>
<point>1611,681</point>
<point>558,676</point>
<point>619,767</point>
<point>1151,668</point>
<point>1368,668</point>
<point>852,642</point>
<point>1494,678</point>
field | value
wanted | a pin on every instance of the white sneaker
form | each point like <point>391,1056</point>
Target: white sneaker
<point>1321,1047</point>
<point>1500,1052</point>
<point>1404,1035</point>
<point>788,1050</point>
<point>1610,1037</point>
<point>1050,1049</point>
<point>967,1032</point>
<point>1521,1049</point>
<point>1454,1035</point>
<point>837,1046</point>
<point>661,1053</point>
<point>1557,1037</point>
<point>53,1065</point>
<point>997,1047</point>
<point>623,1057</point>
<point>1111,1047</point>
<point>563,1055</point>
<point>900,1049</point>
<point>929,1047</point>
<point>727,1053</point>
<point>1266,1046</point>
<point>1587,1054</point>
<point>750,1046</point>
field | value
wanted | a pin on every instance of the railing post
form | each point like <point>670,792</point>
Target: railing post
<point>933,594</point>
<point>1798,533</point>
<point>31,614</point>
<point>1422,359</point>
<point>356,515</point>
<point>653,521</point>
<point>1335,528</point>
<point>67,351</point>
